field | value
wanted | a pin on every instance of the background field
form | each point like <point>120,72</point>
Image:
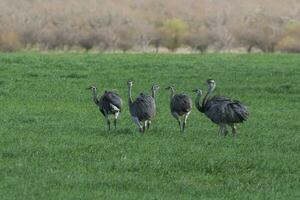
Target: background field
<point>54,143</point>
<point>150,25</point>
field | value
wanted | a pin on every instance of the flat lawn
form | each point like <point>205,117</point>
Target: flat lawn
<point>54,142</point>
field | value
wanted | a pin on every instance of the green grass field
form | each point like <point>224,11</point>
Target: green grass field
<point>54,142</point>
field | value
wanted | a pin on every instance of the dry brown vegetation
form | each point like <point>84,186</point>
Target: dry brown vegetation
<point>143,25</point>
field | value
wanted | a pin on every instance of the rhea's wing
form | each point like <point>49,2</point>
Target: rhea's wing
<point>215,111</point>
<point>216,100</point>
<point>181,103</point>
<point>114,99</point>
<point>224,110</point>
<point>110,102</point>
<point>143,107</point>
<point>238,112</point>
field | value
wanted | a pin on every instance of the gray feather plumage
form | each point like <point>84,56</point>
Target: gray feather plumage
<point>224,110</point>
<point>143,107</point>
<point>221,110</point>
<point>109,103</point>
<point>107,100</point>
<point>181,104</point>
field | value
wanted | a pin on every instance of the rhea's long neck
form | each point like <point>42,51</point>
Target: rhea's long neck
<point>210,90</point>
<point>172,93</point>
<point>153,93</point>
<point>129,95</point>
<point>95,96</point>
<point>197,101</point>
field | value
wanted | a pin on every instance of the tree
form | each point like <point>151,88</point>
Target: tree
<point>126,38</point>
<point>173,33</point>
<point>156,38</point>
<point>260,31</point>
<point>9,41</point>
<point>199,39</point>
<point>290,41</point>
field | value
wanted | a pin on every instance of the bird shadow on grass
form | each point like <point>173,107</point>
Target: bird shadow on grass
<point>8,155</point>
<point>123,131</point>
<point>74,76</point>
<point>153,131</point>
<point>2,93</point>
<point>114,132</point>
<point>31,75</point>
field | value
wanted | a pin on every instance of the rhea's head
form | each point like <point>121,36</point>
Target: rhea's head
<point>155,87</point>
<point>93,88</point>
<point>171,87</point>
<point>129,83</point>
<point>198,91</point>
<point>211,84</point>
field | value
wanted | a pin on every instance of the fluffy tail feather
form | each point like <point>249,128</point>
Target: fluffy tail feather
<point>240,110</point>
<point>114,108</point>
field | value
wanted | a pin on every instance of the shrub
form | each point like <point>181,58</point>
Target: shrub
<point>9,41</point>
<point>126,38</point>
<point>200,39</point>
<point>290,41</point>
<point>28,37</point>
<point>87,40</point>
<point>260,31</point>
<point>173,32</point>
<point>54,38</point>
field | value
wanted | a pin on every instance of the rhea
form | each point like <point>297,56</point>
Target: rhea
<point>110,103</point>
<point>221,110</point>
<point>143,108</point>
<point>181,106</point>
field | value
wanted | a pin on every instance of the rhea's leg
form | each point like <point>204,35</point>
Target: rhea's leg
<point>107,121</point>
<point>144,125</point>
<point>176,116</point>
<point>148,124</point>
<point>185,120</point>
<point>137,122</point>
<point>233,127</point>
<point>225,130</point>
<point>116,118</point>
<point>220,132</point>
